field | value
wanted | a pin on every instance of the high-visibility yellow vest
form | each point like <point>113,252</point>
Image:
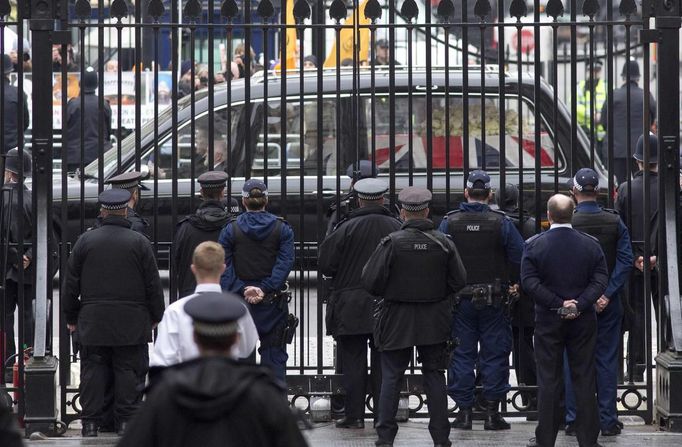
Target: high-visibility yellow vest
<point>584,103</point>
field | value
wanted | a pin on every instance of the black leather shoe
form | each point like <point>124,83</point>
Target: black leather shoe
<point>463,419</point>
<point>570,430</point>
<point>383,444</point>
<point>620,425</point>
<point>350,423</point>
<point>493,419</point>
<point>611,431</point>
<point>89,430</point>
<point>108,428</point>
<point>122,428</point>
<point>532,443</point>
<point>441,444</point>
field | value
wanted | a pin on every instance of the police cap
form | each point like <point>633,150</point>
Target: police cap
<point>365,168</point>
<point>213,179</point>
<point>370,189</point>
<point>382,43</point>
<point>12,161</point>
<point>414,198</point>
<point>478,180</point>
<point>89,81</point>
<point>634,69</point>
<point>215,314</point>
<point>585,180</point>
<point>114,199</point>
<point>126,180</point>
<point>252,184</point>
<point>653,149</point>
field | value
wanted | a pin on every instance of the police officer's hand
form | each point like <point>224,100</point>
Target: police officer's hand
<point>574,305</point>
<point>639,263</point>
<point>72,328</point>
<point>253,295</point>
<point>514,290</point>
<point>601,304</point>
<point>27,262</point>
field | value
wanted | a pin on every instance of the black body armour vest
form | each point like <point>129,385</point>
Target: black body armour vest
<point>603,226</point>
<point>478,238</point>
<point>420,266</point>
<point>254,260</point>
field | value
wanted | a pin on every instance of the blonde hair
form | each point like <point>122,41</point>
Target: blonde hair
<point>208,258</point>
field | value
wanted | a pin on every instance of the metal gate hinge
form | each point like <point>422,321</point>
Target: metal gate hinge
<point>650,35</point>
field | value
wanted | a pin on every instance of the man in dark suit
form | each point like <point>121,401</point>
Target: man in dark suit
<point>565,289</point>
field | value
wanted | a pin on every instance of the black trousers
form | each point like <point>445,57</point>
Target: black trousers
<point>10,302</point>
<point>393,366</point>
<point>523,356</point>
<point>638,304</point>
<point>578,338</point>
<point>127,365</point>
<point>352,350</point>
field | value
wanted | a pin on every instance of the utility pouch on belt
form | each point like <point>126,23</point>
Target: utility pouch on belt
<point>290,329</point>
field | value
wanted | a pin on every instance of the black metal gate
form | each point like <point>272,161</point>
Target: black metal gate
<point>298,93</point>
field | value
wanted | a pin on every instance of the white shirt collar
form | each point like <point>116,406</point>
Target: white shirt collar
<point>558,225</point>
<point>207,288</point>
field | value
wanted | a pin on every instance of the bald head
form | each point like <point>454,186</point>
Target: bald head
<point>560,209</point>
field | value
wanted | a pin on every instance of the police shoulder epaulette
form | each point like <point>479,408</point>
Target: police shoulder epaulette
<point>339,223</point>
<point>500,212</point>
<point>183,220</point>
<point>385,240</point>
<point>534,238</point>
<point>611,210</point>
<point>451,212</point>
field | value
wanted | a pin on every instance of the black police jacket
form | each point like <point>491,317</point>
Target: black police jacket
<point>342,255</point>
<point>112,288</point>
<point>634,204</point>
<point>402,324</point>
<point>91,124</point>
<point>215,402</point>
<point>605,227</point>
<point>523,312</point>
<point>10,108</point>
<point>137,222</point>
<point>19,222</point>
<point>204,225</point>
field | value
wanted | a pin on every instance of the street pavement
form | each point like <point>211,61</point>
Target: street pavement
<point>415,434</point>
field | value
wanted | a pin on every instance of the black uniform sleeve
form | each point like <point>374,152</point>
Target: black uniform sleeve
<point>107,120</point>
<point>27,119</point>
<point>457,275</point>
<point>377,269</point>
<point>140,431</point>
<point>278,416</point>
<point>153,288</point>
<point>598,281</point>
<point>72,283</point>
<point>178,251</point>
<point>330,252</point>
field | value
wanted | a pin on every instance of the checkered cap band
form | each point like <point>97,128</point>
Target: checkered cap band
<point>415,206</point>
<point>126,185</point>
<point>220,185</point>
<point>371,196</point>
<point>580,188</point>
<point>215,330</point>
<point>114,206</point>
<point>470,185</point>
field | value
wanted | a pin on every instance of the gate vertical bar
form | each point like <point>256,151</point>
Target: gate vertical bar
<point>41,369</point>
<point>669,359</point>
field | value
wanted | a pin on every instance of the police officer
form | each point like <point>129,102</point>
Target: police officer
<point>633,205</point>
<point>627,125</point>
<point>91,120</point>
<point>522,312</point>
<point>350,308</point>
<point>349,202</point>
<point>214,401</point>
<point>10,109</point>
<point>592,91</point>
<point>131,182</point>
<point>204,225</point>
<point>259,255</point>
<point>491,248</point>
<point>416,270</point>
<point>17,224</point>
<point>607,227</point>
<point>112,295</point>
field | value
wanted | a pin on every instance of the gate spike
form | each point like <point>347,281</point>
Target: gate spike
<point>192,10</point>
<point>229,9</point>
<point>590,8</point>
<point>265,9</point>
<point>373,10</point>
<point>554,9</point>
<point>338,10</point>
<point>5,8</point>
<point>156,9</point>
<point>301,11</point>
<point>627,7</point>
<point>446,10</point>
<point>482,9</point>
<point>409,10</point>
<point>119,9</point>
<point>518,9</point>
<point>83,9</point>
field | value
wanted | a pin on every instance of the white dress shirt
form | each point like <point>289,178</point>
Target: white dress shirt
<point>175,340</point>
<point>558,225</point>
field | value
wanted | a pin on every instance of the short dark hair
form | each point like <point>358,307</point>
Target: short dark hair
<point>478,194</point>
<point>215,343</point>
<point>211,193</point>
<point>256,200</point>
<point>560,207</point>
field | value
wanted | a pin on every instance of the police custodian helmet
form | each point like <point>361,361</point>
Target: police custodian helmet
<point>12,161</point>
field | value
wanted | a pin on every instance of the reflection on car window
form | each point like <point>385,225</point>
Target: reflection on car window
<point>478,147</point>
